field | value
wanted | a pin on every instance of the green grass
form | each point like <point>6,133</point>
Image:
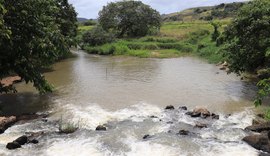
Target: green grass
<point>176,39</point>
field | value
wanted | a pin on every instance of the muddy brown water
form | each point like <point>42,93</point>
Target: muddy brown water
<point>123,92</point>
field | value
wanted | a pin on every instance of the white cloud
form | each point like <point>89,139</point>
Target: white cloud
<point>90,8</point>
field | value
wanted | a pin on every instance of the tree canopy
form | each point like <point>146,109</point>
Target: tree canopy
<point>248,37</point>
<point>129,18</point>
<point>34,34</point>
<point>247,43</point>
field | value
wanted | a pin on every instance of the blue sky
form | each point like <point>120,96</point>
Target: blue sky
<point>90,8</point>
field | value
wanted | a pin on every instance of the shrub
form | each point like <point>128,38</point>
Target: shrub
<point>120,49</point>
<point>89,23</point>
<point>97,36</point>
<point>106,49</point>
<point>67,127</point>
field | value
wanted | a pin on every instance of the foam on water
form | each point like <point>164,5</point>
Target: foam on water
<point>93,115</point>
<point>222,137</point>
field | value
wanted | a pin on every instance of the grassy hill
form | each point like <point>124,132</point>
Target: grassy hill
<point>221,11</point>
<point>80,19</point>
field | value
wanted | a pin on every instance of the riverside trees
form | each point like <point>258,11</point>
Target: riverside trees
<point>34,34</point>
<point>124,19</point>
<point>129,18</point>
<point>247,42</point>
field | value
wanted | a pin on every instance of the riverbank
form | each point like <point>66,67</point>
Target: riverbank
<point>10,80</point>
<point>175,39</point>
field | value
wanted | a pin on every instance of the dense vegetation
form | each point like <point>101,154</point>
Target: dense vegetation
<point>34,34</point>
<point>129,19</point>
<point>247,43</point>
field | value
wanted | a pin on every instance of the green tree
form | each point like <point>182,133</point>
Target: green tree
<point>33,40</point>
<point>66,17</point>
<point>129,18</point>
<point>216,32</point>
<point>97,36</point>
<point>247,42</point>
<point>248,37</point>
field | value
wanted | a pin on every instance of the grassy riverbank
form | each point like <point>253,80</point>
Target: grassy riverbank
<point>174,40</point>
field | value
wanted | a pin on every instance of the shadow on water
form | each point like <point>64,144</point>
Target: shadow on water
<point>23,103</point>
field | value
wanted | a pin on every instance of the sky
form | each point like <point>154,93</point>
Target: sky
<point>90,8</point>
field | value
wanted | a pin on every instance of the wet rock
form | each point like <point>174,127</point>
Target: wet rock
<point>22,140</point>
<point>101,128</point>
<point>169,122</point>
<point>147,136</point>
<point>31,116</point>
<point>259,142</point>
<point>34,141</point>
<point>258,120</point>
<point>200,125</point>
<point>203,111</point>
<point>264,154</point>
<point>183,108</point>
<point>188,113</point>
<point>195,114</point>
<point>170,107</point>
<point>183,132</point>
<point>33,137</point>
<point>13,145</point>
<point>6,122</point>
<point>259,127</point>
<point>153,116</point>
<point>214,116</point>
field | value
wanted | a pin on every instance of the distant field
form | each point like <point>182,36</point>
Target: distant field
<point>174,40</point>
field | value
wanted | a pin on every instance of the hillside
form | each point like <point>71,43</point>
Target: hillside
<point>81,20</point>
<point>221,11</point>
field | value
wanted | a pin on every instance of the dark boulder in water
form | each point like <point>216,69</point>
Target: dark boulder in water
<point>147,136</point>
<point>259,142</point>
<point>22,140</point>
<point>199,112</point>
<point>183,132</point>
<point>183,108</point>
<point>13,145</point>
<point>200,125</point>
<point>202,111</point>
<point>214,116</point>
<point>6,122</point>
<point>259,127</point>
<point>101,128</point>
<point>195,114</point>
<point>153,116</point>
<point>34,141</point>
<point>188,113</point>
<point>170,107</point>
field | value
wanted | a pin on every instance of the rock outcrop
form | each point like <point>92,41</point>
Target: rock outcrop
<point>6,122</point>
<point>101,128</point>
<point>259,127</point>
<point>260,142</point>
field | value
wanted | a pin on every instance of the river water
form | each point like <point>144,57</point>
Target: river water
<point>123,92</point>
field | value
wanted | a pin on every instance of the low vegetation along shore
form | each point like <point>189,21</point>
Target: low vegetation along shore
<point>174,40</point>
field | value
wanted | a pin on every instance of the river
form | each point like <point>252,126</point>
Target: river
<point>123,92</point>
